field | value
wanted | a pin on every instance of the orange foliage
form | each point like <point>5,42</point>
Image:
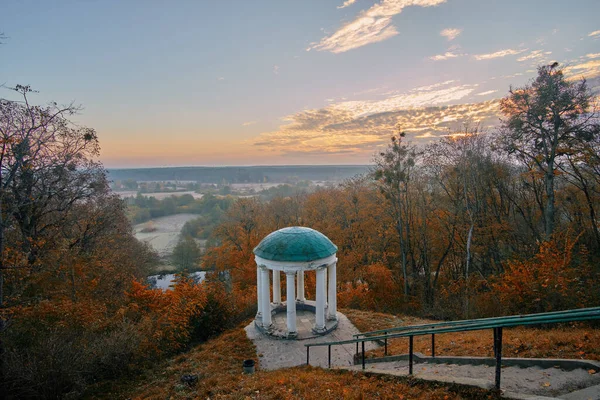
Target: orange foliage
<point>552,280</point>
<point>377,291</point>
<point>167,315</point>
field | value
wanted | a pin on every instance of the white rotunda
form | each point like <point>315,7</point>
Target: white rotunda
<point>295,251</point>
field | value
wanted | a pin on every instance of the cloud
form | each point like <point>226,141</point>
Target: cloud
<point>593,55</point>
<point>447,55</point>
<point>276,69</point>
<point>426,135</point>
<point>588,69</point>
<point>485,93</point>
<point>412,99</point>
<point>347,3</point>
<point>498,54</point>
<point>220,78</point>
<point>431,87</point>
<point>535,55</point>
<point>360,127</point>
<point>451,33</point>
<point>370,26</point>
<point>594,34</point>
<point>248,123</point>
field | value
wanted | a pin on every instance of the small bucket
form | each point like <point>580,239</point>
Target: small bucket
<point>248,366</point>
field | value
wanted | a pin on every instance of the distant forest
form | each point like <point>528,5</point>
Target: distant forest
<point>255,174</point>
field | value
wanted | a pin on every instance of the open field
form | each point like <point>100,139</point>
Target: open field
<point>158,195</point>
<point>165,231</point>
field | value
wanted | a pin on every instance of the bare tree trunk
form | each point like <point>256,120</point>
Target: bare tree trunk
<point>469,239</point>
<point>400,229</point>
<point>549,209</point>
<point>585,188</point>
<point>73,291</point>
<point>467,265</point>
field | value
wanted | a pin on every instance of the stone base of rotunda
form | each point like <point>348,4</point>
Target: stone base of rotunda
<point>305,322</point>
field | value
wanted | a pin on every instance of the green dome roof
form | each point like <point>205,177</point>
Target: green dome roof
<point>295,243</point>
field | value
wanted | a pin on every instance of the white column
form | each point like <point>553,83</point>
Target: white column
<point>266,298</point>
<point>320,307</point>
<point>300,283</point>
<point>276,287</point>
<point>258,293</point>
<point>291,305</point>
<point>325,287</point>
<point>331,315</point>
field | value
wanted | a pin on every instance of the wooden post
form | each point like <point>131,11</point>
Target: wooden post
<point>433,345</point>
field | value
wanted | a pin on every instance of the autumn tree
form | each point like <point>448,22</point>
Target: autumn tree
<point>67,253</point>
<point>186,253</point>
<point>46,169</point>
<point>544,120</point>
<point>240,231</point>
<point>582,170</point>
<point>392,172</point>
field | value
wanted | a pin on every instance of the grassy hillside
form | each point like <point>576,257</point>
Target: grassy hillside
<point>218,366</point>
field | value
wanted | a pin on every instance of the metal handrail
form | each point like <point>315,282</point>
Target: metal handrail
<point>584,314</point>
<point>469,321</point>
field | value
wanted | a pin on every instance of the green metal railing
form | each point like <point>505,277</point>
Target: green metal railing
<point>496,324</point>
<point>459,323</point>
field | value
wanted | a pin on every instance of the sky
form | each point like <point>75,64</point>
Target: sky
<point>174,83</point>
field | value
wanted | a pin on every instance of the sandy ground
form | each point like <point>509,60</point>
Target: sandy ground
<point>165,237</point>
<point>549,382</point>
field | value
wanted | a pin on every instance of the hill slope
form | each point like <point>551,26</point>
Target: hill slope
<point>218,364</point>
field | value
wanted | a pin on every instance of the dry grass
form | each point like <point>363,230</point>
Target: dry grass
<point>218,365</point>
<point>574,341</point>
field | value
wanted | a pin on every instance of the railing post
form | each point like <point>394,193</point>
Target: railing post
<point>498,356</point>
<point>363,355</point>
<point>433,345</point>
<point>329,355</point>
<point>385,352</point>
<point>495,341</point>
<point>307,355</point>
<point>357,351</point>
<point>410,355</point>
